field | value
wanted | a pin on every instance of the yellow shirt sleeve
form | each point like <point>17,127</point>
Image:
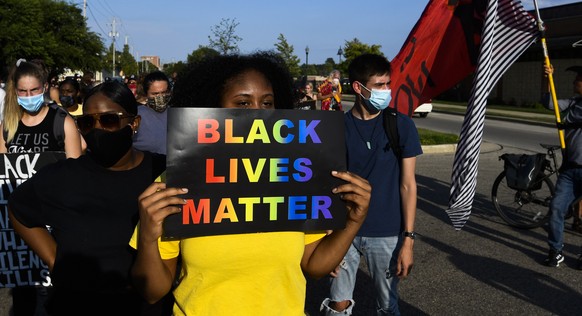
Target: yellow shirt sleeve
<point>168,249</point>
<point>313,237</point>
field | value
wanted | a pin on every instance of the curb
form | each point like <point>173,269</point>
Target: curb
<point>486,147</point>
<point>439,149</point>
<point>502,118</point>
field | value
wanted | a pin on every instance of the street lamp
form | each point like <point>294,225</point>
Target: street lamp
<point>306,55</point>
<point>340,52</point>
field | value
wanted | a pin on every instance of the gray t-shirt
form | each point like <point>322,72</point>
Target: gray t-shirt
<point>570,112</point>
<point>153,128</point>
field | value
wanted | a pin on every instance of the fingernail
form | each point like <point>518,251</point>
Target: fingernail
<point>333,172</point>
<point>184,190</point>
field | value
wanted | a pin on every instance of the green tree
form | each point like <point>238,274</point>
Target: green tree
<point>286,52</point>
<point>201,53</point>
<point>310,69</point>
<point>327,67</point>
<point>355,48</point>
<point>177,67</point>
<point>54,31</point>
<point>224,38</point>
<point>108,60</point>
<point>127,62</point>
<point>73,45</point>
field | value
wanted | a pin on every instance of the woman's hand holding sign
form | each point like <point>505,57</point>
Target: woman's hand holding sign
<point>155,204</point>
<point>356,193</point>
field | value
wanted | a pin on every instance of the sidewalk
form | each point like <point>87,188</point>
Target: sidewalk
<point>548,119</point>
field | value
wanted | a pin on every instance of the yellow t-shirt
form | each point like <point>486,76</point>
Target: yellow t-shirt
<point>78,111</point>
<point>243,274</point>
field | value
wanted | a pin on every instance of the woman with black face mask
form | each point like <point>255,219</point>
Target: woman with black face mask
<point>69,92</point>
<point>93,219</point>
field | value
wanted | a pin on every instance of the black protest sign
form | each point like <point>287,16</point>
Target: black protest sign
<point>19,265</point>
<point>254,170</point>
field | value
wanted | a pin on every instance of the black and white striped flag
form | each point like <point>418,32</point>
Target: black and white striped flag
<point>508,31</point>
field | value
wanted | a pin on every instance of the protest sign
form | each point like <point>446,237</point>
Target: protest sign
<point>254,171</point>
<point>19,265</point>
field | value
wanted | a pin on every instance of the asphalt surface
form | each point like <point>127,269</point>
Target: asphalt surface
<point>486,268</point>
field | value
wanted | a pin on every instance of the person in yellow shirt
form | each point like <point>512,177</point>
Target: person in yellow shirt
<point>238,274</point>
<point>69,96</point>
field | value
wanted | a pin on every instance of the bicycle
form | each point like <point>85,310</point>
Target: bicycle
<point>529,208</point>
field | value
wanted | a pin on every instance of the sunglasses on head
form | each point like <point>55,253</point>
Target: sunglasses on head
<point>108,121</point>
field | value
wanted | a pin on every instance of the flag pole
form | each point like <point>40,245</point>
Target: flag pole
<point>542,30</point>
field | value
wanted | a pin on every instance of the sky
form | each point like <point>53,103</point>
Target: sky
<point>172,29</point>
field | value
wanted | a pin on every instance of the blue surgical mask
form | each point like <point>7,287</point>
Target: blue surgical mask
<point>31,104</point>
<point>379,100</point>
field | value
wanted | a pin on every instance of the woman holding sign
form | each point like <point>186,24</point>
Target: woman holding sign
<point>237,274</point>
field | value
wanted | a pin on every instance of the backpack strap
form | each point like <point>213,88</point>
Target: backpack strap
<point>59,124</point>
<point>391,129</point>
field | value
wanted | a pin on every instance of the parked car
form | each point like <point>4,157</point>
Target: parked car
<point>423,109</point>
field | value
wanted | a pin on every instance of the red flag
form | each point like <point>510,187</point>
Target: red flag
<point>440,51</point>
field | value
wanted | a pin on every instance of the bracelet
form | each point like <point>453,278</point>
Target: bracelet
<point>410,235</point>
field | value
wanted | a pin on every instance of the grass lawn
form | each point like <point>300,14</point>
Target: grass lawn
<point>428,137</point>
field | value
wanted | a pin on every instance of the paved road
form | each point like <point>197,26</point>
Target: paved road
<point>487,268</point>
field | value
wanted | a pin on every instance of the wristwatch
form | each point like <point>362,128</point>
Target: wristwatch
<point>410,235</point>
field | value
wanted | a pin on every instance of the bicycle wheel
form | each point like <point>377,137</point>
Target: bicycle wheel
<point>522,208</point>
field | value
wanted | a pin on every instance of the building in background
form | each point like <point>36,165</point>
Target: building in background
<point>154,60</point>
<point>521,85</point>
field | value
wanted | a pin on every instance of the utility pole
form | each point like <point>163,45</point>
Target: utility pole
<point>113,34</point>
<point>137,61</point>
<point>85,9</point>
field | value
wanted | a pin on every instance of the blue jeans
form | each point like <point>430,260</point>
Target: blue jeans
<point>568,187</point>
<point>381,255</point>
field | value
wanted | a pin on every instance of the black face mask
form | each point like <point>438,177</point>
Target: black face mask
<point>106,148</point>
<point>67,101</point>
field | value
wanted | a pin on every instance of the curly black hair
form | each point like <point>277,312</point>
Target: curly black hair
<point>202,83</point>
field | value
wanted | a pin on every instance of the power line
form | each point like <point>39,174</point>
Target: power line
<point>96,21</point>
<point>107,7</point>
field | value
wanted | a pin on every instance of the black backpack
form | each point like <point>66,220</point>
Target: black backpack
<point>58,126</point>
<point>391,129</point>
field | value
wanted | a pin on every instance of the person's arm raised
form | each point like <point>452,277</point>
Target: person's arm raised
<point>152,275</point>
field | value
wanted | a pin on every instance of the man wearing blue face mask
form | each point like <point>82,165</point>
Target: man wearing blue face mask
<point>386,238</point>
